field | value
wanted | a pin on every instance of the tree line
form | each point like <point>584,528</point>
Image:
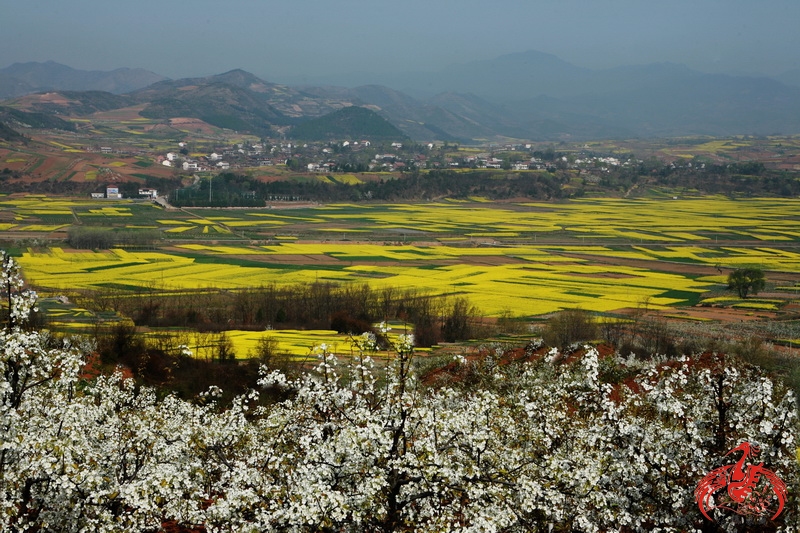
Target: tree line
<point>229,189</point>
<point>346,308</point>
<point>92,238</point>
<point>747,178</point>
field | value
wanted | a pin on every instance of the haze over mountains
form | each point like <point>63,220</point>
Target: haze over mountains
<point>529,95</point>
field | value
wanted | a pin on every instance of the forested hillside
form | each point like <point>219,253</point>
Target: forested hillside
<point>348,123</point>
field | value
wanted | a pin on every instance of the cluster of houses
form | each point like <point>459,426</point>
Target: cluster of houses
<point>326,157</point>
<point>112,193</point>
<point>238,156</point>
<point>213,161</point>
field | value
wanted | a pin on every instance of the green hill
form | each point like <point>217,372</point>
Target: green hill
<point>348,122</point>
<point>16,118</point>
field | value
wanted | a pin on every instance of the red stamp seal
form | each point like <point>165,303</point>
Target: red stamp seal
<point>743,488</point>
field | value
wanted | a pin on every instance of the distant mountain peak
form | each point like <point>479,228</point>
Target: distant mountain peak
<point>19,79</point>
<point>238,74</point>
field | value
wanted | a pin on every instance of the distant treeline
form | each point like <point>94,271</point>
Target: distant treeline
<point>347,308</point>
<point>230,189</point>
<point>94,238</point>
<point>748,178</point>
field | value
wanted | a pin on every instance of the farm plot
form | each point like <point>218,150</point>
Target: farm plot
<point>728,257</point>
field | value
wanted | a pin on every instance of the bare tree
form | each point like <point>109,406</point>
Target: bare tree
<point>570,326</point>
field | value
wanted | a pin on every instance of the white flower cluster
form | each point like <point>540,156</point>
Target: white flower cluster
<point>555,445</point>
<point>21,302</point>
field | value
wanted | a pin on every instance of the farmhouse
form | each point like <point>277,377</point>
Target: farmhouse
<point>150,193</point>
<point>113,192</point>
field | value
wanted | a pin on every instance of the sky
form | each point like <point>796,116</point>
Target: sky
<point>295,39</point>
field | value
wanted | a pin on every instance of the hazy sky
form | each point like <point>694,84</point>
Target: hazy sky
<point>285,39</point>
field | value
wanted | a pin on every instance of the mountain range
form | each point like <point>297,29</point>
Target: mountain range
<point>529,95</point>
<point>20,79</point>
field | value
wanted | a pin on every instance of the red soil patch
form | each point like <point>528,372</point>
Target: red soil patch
<point>50,166</point>
<point>94,368</point>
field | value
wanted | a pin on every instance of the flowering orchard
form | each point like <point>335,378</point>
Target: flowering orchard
<point>566,442</point>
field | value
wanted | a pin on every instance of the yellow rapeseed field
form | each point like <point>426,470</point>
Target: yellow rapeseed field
<point>515,271</point>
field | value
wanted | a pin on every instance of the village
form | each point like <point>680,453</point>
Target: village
<point>365,156</point>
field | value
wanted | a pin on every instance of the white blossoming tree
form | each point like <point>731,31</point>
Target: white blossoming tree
<point>84,456</point>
